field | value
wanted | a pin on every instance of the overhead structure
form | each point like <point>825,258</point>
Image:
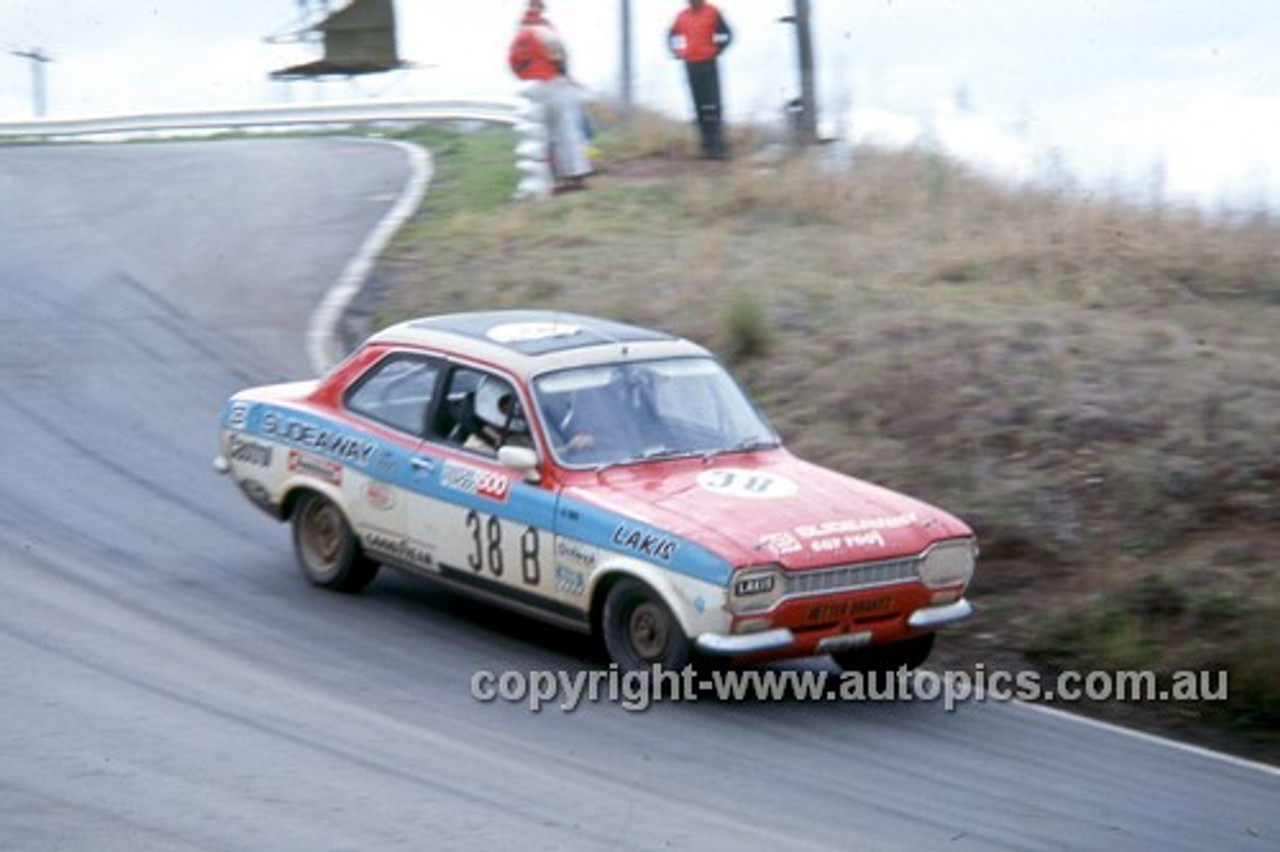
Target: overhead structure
<point>38,59</point>
<point>358,39</point>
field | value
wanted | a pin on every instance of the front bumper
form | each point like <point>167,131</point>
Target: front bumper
<point>720,645</point>
<point>777,641</point>
<point>933,617</point>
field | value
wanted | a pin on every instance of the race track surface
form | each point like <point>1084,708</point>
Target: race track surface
<point>168,681</point>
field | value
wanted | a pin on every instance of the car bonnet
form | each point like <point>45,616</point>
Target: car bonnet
<point>770,507</point>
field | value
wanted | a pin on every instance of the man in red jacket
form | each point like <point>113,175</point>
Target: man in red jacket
<point>537,55</point>
<point>698,36</point>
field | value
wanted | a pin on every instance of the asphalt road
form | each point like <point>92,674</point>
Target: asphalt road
<point>169,682</point>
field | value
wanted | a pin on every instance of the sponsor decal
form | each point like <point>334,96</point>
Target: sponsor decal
<point>830,544</point>
<point>781,543</point>
<point>237,415</point>
<point>475,481</point>
<point>757,585</point>
<point>384,463</point>
<point>523,332</point>
<point>832,536</point>
<point>889,522</point>
<point>321,439</point>
<point>576,554</point>
<point>329,471</point>
<point>400,548</point>
<point>746,484</point>
<point>649,544</point>
<point>570,581</point>
<point>249,452</point>
<point>855,608</point>
<point>380,496</point>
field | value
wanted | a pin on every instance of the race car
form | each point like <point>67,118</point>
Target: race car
<point>601,476</point>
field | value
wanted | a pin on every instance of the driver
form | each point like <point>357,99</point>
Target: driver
<point>497,413</point>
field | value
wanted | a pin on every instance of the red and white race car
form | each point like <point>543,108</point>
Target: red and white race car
<point>599,475</point>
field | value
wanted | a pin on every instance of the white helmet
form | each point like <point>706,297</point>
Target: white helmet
<point>495,401</point>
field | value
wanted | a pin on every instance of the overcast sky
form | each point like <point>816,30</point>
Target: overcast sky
<point>1179,98</point>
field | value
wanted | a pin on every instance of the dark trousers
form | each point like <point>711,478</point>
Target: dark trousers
<point>704,86</point>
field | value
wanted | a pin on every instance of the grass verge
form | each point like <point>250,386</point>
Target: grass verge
<point>1093,386</point>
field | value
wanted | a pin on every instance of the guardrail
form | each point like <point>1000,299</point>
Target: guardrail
<point>355,112</point>
<point>520,114</point>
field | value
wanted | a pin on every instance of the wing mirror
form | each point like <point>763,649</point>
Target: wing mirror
<point>523,460</point>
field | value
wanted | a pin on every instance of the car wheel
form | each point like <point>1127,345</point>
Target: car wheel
<point>328,552</point>
<point>910,653</point>
<point>640,630</point>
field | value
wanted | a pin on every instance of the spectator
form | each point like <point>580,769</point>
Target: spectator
<point>538,55</point>
<point>698,37</point>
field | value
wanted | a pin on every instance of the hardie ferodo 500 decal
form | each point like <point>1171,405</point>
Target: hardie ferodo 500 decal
<point>475,481</point>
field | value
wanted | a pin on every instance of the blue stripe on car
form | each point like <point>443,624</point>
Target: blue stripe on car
<point>526,504</point>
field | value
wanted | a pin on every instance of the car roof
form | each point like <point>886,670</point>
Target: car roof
<point>536,341</point>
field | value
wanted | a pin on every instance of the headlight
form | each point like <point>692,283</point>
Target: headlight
<point>755,589</point>
<point>948,564</point>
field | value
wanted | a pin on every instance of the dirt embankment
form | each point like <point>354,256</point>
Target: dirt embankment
<point>1093,386</point>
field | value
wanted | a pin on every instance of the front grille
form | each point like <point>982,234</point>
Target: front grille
<point>847,578</point>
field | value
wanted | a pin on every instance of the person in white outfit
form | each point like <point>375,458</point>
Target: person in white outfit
<point>538,55</point>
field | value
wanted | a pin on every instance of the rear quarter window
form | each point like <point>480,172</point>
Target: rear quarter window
<point>397,391</point>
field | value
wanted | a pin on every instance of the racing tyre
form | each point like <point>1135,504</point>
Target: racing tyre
<point>328,552</point>
<point>910,653</point>
<point>640,630</point>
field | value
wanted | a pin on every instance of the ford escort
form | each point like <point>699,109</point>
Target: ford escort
<point>602,476</point>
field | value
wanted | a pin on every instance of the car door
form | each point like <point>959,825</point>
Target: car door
<point>488,529</point>
<point>395,397</point>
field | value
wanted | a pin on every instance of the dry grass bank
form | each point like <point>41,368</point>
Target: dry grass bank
<point>1095,387</point>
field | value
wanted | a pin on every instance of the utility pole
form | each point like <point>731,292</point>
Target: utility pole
<point>624,12</point>
<point>805,108</point>
<point>38,60</point>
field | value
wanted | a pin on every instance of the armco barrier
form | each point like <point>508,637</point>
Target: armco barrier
<point>521,114</point>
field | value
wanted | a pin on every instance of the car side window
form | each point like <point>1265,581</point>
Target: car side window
<point>398,392</point>
<point>481,412</point>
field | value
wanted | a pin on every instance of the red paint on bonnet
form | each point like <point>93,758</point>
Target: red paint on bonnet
<point>817,517</point>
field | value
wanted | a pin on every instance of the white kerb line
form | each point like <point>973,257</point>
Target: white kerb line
<point>324,350</point>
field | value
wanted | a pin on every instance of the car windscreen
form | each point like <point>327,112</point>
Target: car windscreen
<point>637,411</point>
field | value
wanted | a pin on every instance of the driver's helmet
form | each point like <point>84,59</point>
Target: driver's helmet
<point>495,404</point>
